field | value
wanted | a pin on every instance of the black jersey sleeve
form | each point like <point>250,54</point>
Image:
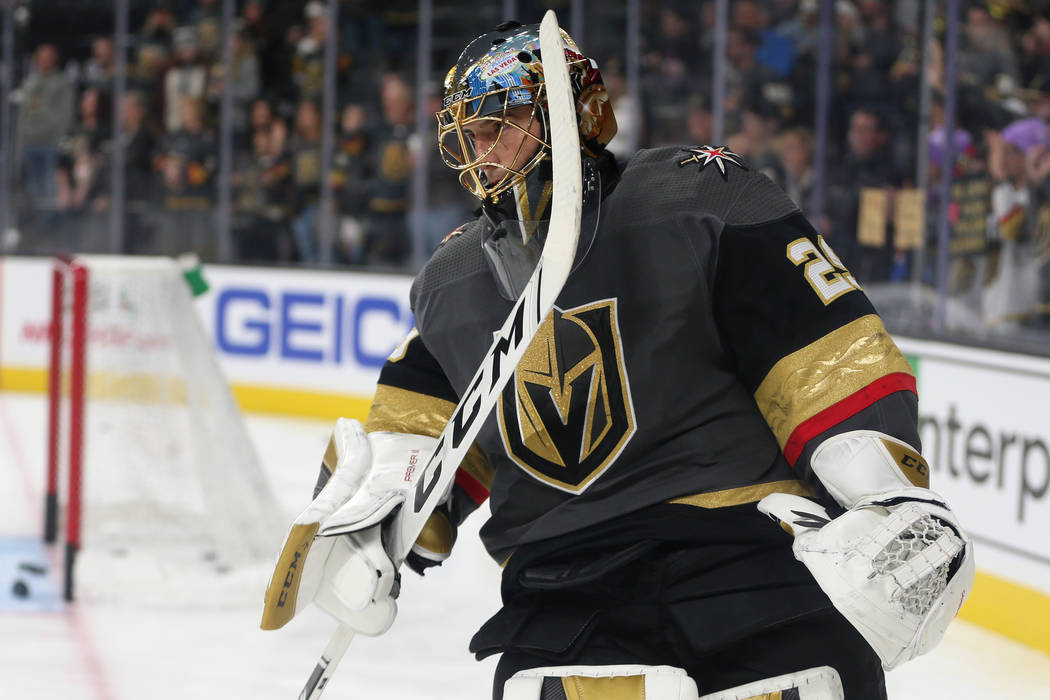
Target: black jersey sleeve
<point>805,339</point>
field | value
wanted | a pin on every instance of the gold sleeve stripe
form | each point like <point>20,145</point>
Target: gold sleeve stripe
<point>745,494</point>
<point>824,373</point>
<point>402,411</point>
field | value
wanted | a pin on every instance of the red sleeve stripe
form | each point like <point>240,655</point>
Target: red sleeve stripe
<point>849,406</point>
<point>472,486</point>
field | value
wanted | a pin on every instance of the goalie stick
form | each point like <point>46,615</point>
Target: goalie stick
<point>501,360</point>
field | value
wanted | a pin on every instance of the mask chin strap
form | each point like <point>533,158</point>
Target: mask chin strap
<point>529,200</point>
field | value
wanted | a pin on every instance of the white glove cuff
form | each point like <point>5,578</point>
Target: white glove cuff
<point>863,463</point>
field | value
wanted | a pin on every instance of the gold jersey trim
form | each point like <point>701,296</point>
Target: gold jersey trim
<point>399,410</point>
<point>825,372</point>
<point>745,494</point>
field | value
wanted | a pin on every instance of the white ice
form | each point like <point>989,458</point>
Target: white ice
<point>204,651</point>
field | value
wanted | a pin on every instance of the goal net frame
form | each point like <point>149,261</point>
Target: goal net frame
<point>70,400</point>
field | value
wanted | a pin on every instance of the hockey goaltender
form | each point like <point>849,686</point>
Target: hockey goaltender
<point>709,365</point>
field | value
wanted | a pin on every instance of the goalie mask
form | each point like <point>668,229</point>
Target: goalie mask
<point>493,128</point>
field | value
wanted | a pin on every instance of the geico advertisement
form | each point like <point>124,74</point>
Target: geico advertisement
<point>299,329</point>
<point>985,428</point>
<point>325,331</point>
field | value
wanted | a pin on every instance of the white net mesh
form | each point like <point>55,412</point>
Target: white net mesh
<point>919,595</point>
<point>175,501</point>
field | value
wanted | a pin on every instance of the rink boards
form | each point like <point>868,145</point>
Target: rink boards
<point>311,343</point>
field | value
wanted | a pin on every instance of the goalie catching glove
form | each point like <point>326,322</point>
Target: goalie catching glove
<point>335,554</point>
<point>896,564</point>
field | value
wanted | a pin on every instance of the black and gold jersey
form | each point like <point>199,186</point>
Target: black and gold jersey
<point>706,340</point>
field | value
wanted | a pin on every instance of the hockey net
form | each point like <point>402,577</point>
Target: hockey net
<point>166,497</point>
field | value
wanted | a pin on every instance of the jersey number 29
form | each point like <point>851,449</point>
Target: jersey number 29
<point>825,273</point>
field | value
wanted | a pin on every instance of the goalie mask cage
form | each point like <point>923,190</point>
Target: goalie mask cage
<point>165,493</point>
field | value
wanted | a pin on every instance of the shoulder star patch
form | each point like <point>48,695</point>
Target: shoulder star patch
<point>457,232</point>
<point>704,155</point>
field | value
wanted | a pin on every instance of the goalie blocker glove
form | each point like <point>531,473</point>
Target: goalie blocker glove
<point>896,564</point>
<point>335,554</point>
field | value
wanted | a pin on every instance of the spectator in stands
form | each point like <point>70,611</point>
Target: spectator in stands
<point>80,156</point>
<point>187,164</point>
<point>864,165</point>
<point>698,120</point>
<point>255,26</point>
<point>262,194</point>
<point>1012,291</point>
<point>1035,55</point>
<point>802,28</point>
<point>387,234</point>
<point>745,76</point>
<point>965,271</point>
<point>306,179</point>
<point>759,123</point>
<point>146,76</point>
<point>795,147</point>
<point>206,19</point>
<point>774,51</point>
<point>45,116</point>
<point>159,27</point>
<point>670,67</point>
<point>260,116</point>
<point>875,54</point>
<point>187,79</point>
<point>140,143</point>
<point>98,73</point>
<point>279,136</point>
<point>1037,166</point>
<point>245,84</point>
<point>986,57</point>
<point>308,63</point>
<point>352,180</point>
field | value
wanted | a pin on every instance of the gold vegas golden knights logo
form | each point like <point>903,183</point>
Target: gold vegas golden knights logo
<point>568,414</point>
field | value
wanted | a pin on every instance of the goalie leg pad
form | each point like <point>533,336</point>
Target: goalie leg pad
<point>624,682</point>
<point>820,683</point>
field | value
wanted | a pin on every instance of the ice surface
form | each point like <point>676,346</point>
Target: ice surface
<point>210,649</point>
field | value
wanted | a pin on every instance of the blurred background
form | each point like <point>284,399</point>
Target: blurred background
<point>299,132</point>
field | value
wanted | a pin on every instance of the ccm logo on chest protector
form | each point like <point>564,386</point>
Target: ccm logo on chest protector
<point>568,413</point>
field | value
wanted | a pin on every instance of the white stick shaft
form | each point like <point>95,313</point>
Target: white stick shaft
<point>327,664</point>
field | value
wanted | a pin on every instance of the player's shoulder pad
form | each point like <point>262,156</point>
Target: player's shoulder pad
<point>458,255</point>
<point>704,180</point>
